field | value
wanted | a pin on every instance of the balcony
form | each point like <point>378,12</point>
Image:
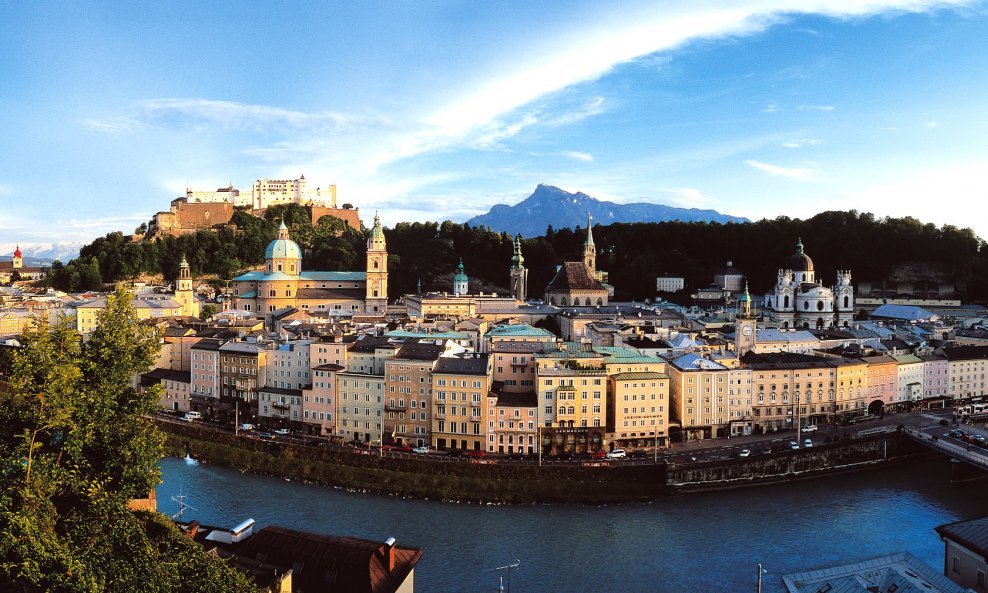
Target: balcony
<point>396,407</point>
<point>280,405</point>
<point>439,415</point>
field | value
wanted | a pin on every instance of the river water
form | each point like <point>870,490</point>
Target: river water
<point>684,544</point>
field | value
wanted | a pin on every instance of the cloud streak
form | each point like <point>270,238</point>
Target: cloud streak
<point>797,173</point>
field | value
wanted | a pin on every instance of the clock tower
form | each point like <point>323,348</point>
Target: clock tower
<point>744,323</point>
<point>377,271</point>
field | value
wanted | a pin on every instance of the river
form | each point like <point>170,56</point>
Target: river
<point>687,543</point>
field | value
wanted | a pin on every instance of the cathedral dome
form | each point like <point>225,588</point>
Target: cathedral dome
<point>283,247</point>
<point>799,261</point>
<point>460,275</point>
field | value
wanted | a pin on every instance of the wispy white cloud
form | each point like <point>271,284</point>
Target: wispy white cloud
<point>801,142</point>
<point>771,108</point>
<point>932,124</point>
<point>576,155</point>
<point>232,115</point>
<point>798,173</point>
<point>824,108</point>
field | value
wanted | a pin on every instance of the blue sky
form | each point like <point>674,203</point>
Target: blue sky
<point>435,110</point>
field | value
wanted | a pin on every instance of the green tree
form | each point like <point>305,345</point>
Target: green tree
<point>76,443</point>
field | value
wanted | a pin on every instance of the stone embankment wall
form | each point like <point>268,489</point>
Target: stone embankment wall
<point>520,483</point>
<point>416,477</point>
<point>830,458</point>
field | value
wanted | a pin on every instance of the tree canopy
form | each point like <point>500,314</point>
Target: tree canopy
<point>77,442</point>
<point>632,253</point>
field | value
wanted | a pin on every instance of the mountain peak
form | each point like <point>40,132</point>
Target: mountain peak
<point>550,205</point>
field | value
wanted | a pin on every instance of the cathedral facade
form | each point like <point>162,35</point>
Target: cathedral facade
<point>283,283</point>
<point>800,301</point>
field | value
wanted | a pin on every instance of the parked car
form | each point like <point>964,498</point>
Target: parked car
<point>617,454</point>
<point>246,426</point>
<point>423,450</point>
<point>979,439</point>
<point>956,433</point>
<point>809,428</point>
<point>265,435</point>
<point>404,448</point>
<point>190,416</point>
<point>476,454</point>
<point>808,443</point>
<point>793,445</point>
<point>283,432</point>
<point>745,453</point>
<point>598,455</point>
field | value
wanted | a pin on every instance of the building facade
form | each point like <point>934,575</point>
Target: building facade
<point>799,300</point>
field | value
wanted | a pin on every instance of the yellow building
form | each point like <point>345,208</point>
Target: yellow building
<point>144,308</point>
<point>639,408</point>
<point>790,389</point>
<point>698,389</point>
<point>461,386</point>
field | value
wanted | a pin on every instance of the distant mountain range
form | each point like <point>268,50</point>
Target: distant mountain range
<point>43,252</point>
<point>551,205</point>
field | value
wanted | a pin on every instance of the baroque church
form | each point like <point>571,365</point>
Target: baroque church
<point>579,283</point>
<point>283,283</point>
<point>800,301</point>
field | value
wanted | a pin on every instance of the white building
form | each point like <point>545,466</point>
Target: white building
<point>910,378</point>
<point>270,192</point>
<point>799,300</point>
<point>669,283</point>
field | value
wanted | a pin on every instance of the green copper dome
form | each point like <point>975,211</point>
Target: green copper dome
<point>460,274</point>
<point>283,247</point>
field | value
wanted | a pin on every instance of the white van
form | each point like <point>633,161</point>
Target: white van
<point>190,416</point>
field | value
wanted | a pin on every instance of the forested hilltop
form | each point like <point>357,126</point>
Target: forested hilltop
<point>902,249</point>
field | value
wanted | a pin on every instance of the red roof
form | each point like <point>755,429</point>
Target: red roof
<point>17,252</point>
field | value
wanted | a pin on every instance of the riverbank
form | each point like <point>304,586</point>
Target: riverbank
<point>461,482</point>
<point>509,483</point>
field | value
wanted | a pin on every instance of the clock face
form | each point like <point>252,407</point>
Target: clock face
<point>746,330</point>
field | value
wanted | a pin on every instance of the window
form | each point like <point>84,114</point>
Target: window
<point>956,564</point>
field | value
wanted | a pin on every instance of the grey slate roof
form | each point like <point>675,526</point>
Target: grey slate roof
<point>972,534</point>
<point>454,365</point>
<point>898,573</point>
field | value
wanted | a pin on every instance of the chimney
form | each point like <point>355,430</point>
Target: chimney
<point>193,529</point>
<point>390,553</point>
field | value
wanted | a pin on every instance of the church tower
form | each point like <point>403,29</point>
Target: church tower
<point>519,273</point>
<point>183,290</point>
<point>590,250</point>
<point>744,325</point>
<point>461,283</point>
<point>377,270</point>
<point>17,261</point>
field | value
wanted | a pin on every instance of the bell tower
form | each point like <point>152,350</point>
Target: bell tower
<point>183,290</point>
<point>590,250</point>
<point>377,270</point>
<point>745,325</point>
<point>519,273</point>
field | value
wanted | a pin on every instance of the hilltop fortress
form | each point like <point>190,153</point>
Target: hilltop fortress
<point>205,209</point>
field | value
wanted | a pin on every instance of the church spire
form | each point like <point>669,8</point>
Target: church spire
<point>589,249</point>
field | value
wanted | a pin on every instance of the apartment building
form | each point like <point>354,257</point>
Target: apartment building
<point>967,371</point>
<point>460,387</point>
<point>883,374</point>
<point>512,422</point>
<point>698,390</point>
<point>319,415</point>
<point>205,376</point>
<point>639,409</point>
<point>408,393</point>
<point>242,370</point>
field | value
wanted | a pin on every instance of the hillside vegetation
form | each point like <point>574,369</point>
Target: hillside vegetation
<point>633,253</point>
